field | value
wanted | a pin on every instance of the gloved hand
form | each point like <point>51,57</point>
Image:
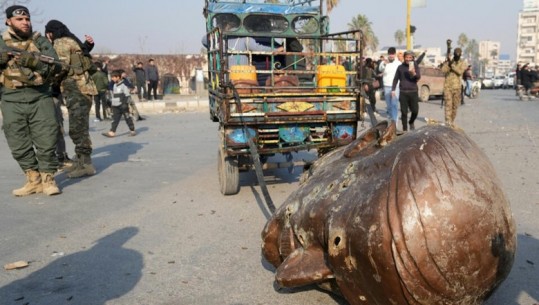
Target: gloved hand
<point>4,58</point>
<point>28,60</point>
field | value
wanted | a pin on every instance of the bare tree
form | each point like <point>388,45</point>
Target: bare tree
<point>6,3</point>
<point>142,43</point>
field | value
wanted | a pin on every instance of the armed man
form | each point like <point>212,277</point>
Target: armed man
<point>453,69</point>
<point>78,89</point>
<point>27,106</point>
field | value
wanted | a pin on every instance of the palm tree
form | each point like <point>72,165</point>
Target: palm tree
<point>462,41</point>
<point>471,50</point>
<point>331,4</point>
<point>361,22</point>
<point>399,37</point>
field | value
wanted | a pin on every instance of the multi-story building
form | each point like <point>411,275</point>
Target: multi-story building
<point>528,33</point>
<point>489,50</point>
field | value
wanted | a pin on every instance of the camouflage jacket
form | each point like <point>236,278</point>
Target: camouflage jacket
<point>453,73</point>
<point>67,50</point>
<point>21,84</point>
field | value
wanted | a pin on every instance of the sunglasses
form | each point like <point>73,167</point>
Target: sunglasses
<point>20,12</point>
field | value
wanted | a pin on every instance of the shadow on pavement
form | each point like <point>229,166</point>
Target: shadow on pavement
<point>102,158</point>
<point>102,273</point>
<point>518,282</point>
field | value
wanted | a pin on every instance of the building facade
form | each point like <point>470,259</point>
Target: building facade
<point>528,33</point>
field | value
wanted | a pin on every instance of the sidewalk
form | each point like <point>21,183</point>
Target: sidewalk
<point>173,103</point>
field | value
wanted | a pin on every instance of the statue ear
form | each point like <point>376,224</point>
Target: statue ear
<point>303,267</point>
<point>270,241</point>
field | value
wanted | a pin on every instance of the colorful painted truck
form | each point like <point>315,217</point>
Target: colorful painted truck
<point>279,82</point>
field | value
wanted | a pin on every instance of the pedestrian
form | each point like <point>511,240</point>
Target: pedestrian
<point>152,75</point>
<point>527,79</point>
<point>101,81</point>
<point>369,79</point>
<point>133,110</point>
<point>389,68</point>
<point>120,107</point>
<point>407,75</point>
<point>468,80</point>
<point>400,56</point>
<point>29,121</point>
<point>77,89</point>
<point>453,69</point>
<point>140,80</point>
<point>518,78</point>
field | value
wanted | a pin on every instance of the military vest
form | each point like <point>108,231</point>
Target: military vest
<point>71,54</point>
<point>15,76</point>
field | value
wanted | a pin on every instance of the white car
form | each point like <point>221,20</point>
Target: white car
<point>510,78</point>
<point>487,83</point>
<point>498,81</point>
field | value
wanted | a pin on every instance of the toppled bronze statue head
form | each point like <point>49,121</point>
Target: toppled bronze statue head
<point>421,220</point>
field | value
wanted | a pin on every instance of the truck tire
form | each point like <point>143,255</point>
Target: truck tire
<point>229,174</point>
<point>424,94</point>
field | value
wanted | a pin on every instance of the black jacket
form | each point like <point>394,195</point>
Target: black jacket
<point>407,82</point>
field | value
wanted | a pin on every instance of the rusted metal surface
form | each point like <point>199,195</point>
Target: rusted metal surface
<point>421,219</point>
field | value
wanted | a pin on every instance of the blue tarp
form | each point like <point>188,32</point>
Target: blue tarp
<point>239,8</point>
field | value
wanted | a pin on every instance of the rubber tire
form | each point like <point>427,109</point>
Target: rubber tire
<point>424,94</point>
<point>229,174</point>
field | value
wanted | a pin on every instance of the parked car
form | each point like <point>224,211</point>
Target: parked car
<point>510,79</point>
<point>498,81</point>
<point>487,83</point>
<point>431,83</point>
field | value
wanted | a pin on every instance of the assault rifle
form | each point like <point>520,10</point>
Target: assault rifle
<point>43,58</point>
<point>57,74</point>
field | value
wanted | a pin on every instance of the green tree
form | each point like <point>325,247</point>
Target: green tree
<point>462,41</point>
<point>361,22</point>
<point>399,37</point>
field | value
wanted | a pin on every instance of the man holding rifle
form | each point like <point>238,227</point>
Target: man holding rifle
<point>27,106</point>
<point>453,70</point>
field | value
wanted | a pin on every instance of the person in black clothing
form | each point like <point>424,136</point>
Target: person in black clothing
<point>152,77</point>
<point>526,78</point>
<point>369,76</point>
<point>408,75</point>
<point>140,79</point>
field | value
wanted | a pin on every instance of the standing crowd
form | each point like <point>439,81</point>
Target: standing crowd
<point>39,74</point>
<point>397,77</point>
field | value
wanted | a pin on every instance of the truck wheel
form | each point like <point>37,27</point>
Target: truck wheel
<point>424,94</point>
<point>229,174</point>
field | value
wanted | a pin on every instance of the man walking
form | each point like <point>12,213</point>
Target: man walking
<point>453,69</point>
<point>407,76</point>
<point>389,69</point>
<point>29,120</point>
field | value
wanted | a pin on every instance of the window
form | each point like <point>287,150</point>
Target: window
<point>227,22</point>
<point>265,24</point>
<point>305,25</point>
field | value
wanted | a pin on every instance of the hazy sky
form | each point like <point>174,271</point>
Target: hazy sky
<point>176,26</point>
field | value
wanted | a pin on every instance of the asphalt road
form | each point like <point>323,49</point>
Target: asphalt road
<point>152,227</point>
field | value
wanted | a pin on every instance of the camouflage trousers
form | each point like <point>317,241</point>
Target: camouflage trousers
<point>452,100</point>
<point>78,108</point>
